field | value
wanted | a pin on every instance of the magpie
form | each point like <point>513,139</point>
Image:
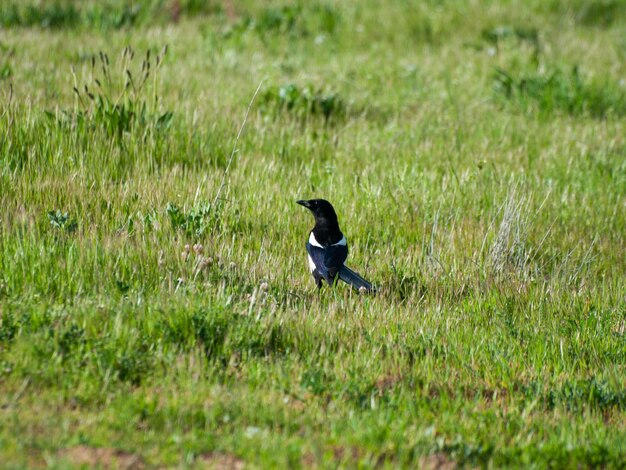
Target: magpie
<point>328,249</point>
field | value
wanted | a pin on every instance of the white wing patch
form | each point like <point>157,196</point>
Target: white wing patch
<point>313,241</point>
<point>311,263</point>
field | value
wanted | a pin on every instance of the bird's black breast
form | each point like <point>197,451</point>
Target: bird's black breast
<point>326,236</point>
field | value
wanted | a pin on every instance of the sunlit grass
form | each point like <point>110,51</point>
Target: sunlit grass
<point>475,154</point>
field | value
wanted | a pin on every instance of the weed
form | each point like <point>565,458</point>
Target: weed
<point>108,17</point>
<point>283,19</point>
<point>124,359</point>
<point>70,338</point>
<point>8,327</point>
<point>195,223</point>
<point>118,105</point>
<point>315,380</point>
<point>500,34</point>
<point>201,7</point>
<point>6,55</point>
<point>300,20</point>
<point>105,15</point>
<point>304,102</point>
<point>63,15</point>
<point>589,393</point>
<point>592,13</point>
<point>5,71</point>
<point>226,337</point>
<point>52,16</point>
<point>62,221</point>
<point>561,91</point>
<point>329,18</point>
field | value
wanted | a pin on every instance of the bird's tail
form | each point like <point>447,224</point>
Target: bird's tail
<point>353,279</point>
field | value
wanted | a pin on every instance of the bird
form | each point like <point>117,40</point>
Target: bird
<point>327,248</point>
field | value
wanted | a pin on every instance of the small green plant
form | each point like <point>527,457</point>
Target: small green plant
<point>224,335</point>
<point>194,223</point>
<point>102,15</point>
<point>6,54</point>
<point>62,221</point>
<point>601,13</point>
<point>126,361</point>
<point>63,15</point>
<point>283,19</point>
<point>561,91</point>
<point>591,393</point>
<point>304,102</point>
<point>69,339</point>
<point>200,7</point>
<point>54,16</point>
<point>329,18</point>
<point>110,17</point>
<point>316,380</point>
<point>300,20</point>
<point>5,71</point>
<point>8,327</point>
<point>501,34</point>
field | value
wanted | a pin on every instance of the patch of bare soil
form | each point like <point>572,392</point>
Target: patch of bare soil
<point>308,460</point>
<point>438,461</point>
<point>103,457</point>
<point>221,461</point>
<point>351,453</point>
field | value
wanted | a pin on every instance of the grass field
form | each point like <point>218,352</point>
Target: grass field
<point>155,304</point>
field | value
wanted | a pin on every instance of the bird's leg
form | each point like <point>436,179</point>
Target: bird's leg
<point>318,281</point>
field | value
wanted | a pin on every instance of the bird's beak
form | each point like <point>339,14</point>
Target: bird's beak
<point>304,203</point>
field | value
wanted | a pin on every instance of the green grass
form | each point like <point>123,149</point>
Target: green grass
<point>475,152</point>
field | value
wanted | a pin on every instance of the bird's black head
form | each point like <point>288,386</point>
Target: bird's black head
<point>321,208</point>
